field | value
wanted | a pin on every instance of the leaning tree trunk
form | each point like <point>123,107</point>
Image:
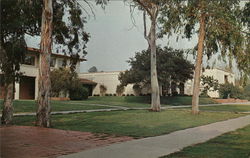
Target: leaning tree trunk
<point>155,92</point>
<point>43,111</point>
<point>198,66</point>
<point>7,113</point>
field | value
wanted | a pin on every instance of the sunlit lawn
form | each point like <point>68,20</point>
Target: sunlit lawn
<point>231,108</point>
<point>231,145</point>
<point>135,123</point>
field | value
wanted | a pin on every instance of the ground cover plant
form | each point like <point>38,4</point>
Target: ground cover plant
<point>231,145</point>
<point>135,123</point>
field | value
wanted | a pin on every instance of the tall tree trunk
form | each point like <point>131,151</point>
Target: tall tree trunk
<point>198,66</point>
<point>155,93</point>
<point>7,113</point>
<point>43,111</point>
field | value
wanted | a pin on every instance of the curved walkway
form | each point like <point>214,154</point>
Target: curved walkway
<point>154,147</point>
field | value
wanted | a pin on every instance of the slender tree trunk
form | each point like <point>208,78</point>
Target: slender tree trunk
<point>43,111</point>
<point>198,66</point>
<point>155,93</point>
<point>7,113</point>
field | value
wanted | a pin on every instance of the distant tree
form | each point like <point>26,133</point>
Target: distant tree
<point>228,90</point>
<point>103,89</point>
<point>92,69</point>
<point>170,63</point>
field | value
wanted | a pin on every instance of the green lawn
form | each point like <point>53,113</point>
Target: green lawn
<point>231,145</point>
<point>30,106</point>
<point>135,123</point>
<point>229,108</point>
<point>144,101</point>
<point>126,101</point>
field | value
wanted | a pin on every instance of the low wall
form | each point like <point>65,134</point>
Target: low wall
<point>230,100</point>
<point>60,98</point>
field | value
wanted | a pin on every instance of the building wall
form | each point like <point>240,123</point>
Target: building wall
<point>217,74</point>
<point>109,79</point>
<point>23,89</point>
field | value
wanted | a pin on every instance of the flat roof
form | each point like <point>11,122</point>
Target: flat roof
<point>54,54</point>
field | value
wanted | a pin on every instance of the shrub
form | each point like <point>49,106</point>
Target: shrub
<point>78,93</point>
<point>103,89</point>
<point>137,89</point>
<point>120,89</point>
<point>228,90</point>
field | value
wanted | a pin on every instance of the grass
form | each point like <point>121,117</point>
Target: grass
<point>144,101</point>
<point>30,106</point>
<point>135,123</point>
<point>226,108</point>
<point>231,145</point>
<point>126,101</point>
<point>231,108</point>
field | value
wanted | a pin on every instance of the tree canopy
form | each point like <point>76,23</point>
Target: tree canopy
<point>171,65</point>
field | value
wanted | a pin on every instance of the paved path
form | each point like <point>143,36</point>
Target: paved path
<point>154,147</point>
<point>116,108</point>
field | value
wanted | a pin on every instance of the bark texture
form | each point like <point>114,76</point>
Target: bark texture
<point>7,113</point>
<point>155,92</point>
<point>43,111</point>
<point>198,66</point>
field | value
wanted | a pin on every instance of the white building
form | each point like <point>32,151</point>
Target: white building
<point>27,88</point>
<point>221,75</point>
<point>110,80</point>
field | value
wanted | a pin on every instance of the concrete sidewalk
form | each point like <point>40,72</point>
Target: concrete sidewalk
<point>154,147</point>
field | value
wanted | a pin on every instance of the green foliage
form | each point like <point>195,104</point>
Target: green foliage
<point>78,93</point>
<point>209,84</point>
<point>120,89</point>
<point>223,26</point>
<point>247,91</point>
<point>24,17</point>
<point>92,69</point>
<point>171,65</point>
<point>62,80</point>
<point>137,89</point>
<point>228,90</point>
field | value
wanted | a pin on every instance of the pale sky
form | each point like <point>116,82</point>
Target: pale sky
<point>114,38</point>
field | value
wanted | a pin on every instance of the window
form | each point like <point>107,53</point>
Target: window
<point>52,62</point>
<point>29,60</point>
<point>226,78</point>
<point>62,63</point>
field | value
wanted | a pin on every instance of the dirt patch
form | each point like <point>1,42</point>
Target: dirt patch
<point>30,142</point>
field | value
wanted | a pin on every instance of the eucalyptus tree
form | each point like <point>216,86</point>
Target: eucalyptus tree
<point>152,8</point>
<point>25,17</point>
<point>218,28</point>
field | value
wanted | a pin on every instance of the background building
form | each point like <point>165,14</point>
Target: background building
<point>27,88</point>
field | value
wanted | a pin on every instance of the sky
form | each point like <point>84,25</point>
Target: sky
<point>114,38</point>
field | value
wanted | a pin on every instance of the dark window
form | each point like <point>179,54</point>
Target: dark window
<point>29,60</point>
<point>52,62</point>
<point>226,79</point>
